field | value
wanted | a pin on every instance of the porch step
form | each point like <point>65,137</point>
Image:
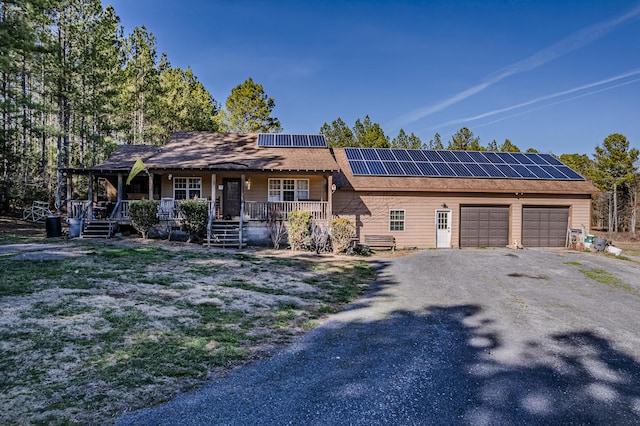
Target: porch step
<point>227,234</point>
<point>97,229</point>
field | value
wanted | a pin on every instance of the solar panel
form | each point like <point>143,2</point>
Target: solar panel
<point>442,163</point>
<point>569,173</point>
<point>427,169</point>
<point>539,172</point>
<point>551,159</point>
<point>376,168</point>
<point>283,140</point>
<point>358,167</point>
<point>416,155</point>
<point>353,153</point>
<point>433,156</point>
<point>369,154</point>
<point>402,154</point>
<point>266,140</point>
<point>295,141</point>
<point>393,168</point>
<point>410,169</point>
<point>448,156</point>
<point>300,140</point>
<point>386,154</point>
<point>494,157</point>
<point>460,170</point>
<point>317,141</point>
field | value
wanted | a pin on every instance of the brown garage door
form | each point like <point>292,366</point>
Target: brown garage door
<point>544,226</point>
<point>484,226</point>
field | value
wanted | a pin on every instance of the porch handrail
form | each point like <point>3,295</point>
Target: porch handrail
<point>259,210</point>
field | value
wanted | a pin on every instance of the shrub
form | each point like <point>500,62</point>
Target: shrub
<point>144,215</point>
<point>276,225</point>
<point>320,238</point>
<point>300,230</point>
<point>195,217</point>
<point>343,231</point>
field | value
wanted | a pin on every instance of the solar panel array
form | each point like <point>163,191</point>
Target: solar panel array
<point>468,164</point>
<point>291,141</point>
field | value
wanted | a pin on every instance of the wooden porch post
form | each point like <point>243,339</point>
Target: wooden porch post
<point>69,193</point>
<point>151,186</point>
<point>240,231</point>
<point>120,187</point>
<point>119,196</point>
<point>212,204</point>
<point>90,196</point>
<point>329,198</point>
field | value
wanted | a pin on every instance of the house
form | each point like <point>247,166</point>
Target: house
<point>242,177</point>
<point>420,198</point>
<point>439,199</point>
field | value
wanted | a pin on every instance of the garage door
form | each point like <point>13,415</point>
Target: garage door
<point>544,226</point>
<point>484,226</point>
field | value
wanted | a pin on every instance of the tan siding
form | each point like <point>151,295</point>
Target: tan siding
<point>370,212</point>
<point>259,184</point>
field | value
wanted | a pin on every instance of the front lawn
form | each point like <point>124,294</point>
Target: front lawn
<point>89,331</point>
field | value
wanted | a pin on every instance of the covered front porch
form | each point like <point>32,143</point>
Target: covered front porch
<point>235,202</point>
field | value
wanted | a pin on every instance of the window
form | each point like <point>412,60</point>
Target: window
<point>288,189</point>
<point>186,188</point>
<point>396,220</point>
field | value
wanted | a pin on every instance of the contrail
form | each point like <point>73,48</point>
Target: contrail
<point>544,98</point>
<point>568,44</point>
<point>558,102</point>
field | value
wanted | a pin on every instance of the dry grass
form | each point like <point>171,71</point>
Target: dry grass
<point>89,331</point>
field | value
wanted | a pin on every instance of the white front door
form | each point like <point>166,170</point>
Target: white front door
<point>443,228</point>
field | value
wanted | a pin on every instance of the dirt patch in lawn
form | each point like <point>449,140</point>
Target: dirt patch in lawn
<point>91,330</point>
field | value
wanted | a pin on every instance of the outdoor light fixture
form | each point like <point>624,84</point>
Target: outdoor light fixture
<point>444,205</point>
<point>333,188</point>
<point>170,176</point>
<point>248,182</point>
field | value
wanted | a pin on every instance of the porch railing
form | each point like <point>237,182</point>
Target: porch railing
<point>261,210</point>
<point>253,210</point>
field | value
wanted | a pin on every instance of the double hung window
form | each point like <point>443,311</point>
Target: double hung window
<point>396,220</point>
<point>186,188</point>
<point>288,189</point>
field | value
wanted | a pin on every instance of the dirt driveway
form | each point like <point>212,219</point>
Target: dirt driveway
<point>452,337</point>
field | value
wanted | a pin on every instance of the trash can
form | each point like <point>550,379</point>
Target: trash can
<point>599,244</point>
<point>75,226</point>
<point>54,226</point>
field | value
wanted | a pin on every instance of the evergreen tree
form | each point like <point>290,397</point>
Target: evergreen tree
<point>369,135</point>
<point>248,109</point>
<point>406,141</point>
<point>435,143</point>
<point>338,134</point>
<point>464,140</point>
<point>507,146</point>
<point>614,167</point>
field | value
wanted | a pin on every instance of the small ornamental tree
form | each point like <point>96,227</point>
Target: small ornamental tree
<point>144,215</point>
<point>343,231</point>
<point>299,231</point>
<point>195,216</point>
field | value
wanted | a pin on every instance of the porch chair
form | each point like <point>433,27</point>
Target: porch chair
<point>38,211</point>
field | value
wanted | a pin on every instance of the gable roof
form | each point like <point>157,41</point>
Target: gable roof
<point>222,151</point>
<point>344,179</point>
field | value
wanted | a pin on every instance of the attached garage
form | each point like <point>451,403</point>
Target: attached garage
<point>544,226</point>
<point>484,226</point>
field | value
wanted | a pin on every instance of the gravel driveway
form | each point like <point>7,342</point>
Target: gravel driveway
<point>451,337</point>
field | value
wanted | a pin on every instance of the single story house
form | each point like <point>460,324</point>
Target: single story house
<point>424,199</point>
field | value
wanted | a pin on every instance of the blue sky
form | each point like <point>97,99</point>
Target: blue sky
<point>555,75</point>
